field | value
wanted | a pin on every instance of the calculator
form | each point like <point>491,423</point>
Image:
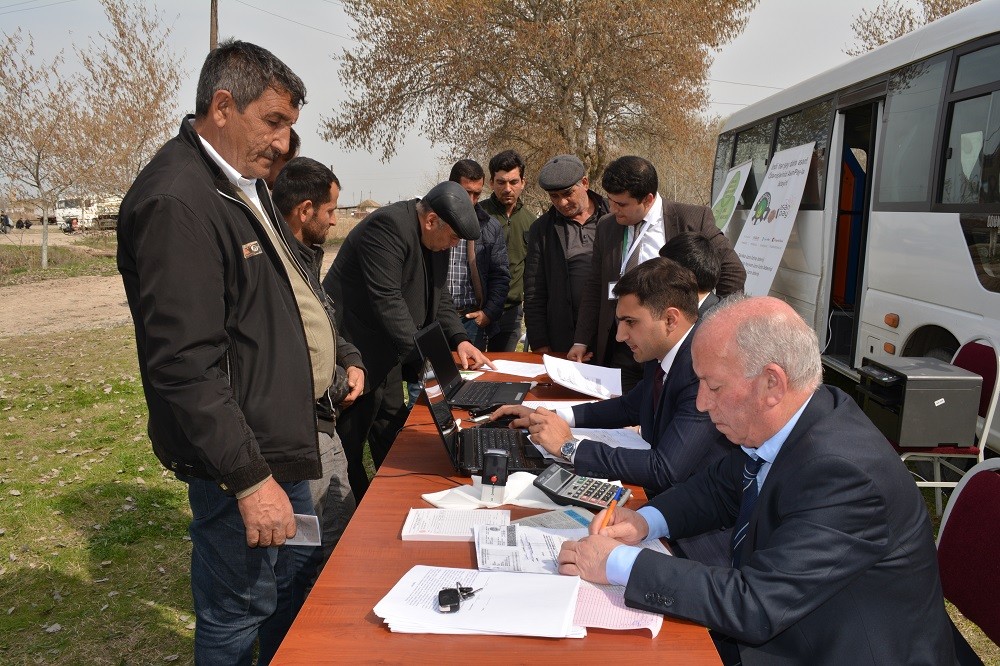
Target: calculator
<point>565,487</point>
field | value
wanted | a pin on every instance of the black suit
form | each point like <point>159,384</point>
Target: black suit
<point>684,442</point>
<point>710,302</point>
<point>595,321</point>
<point>386,286</point>
<point>838,566</point>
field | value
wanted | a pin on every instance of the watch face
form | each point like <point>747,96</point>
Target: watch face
<point>567,449</point>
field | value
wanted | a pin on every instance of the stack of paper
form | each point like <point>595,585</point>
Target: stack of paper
<point>523,549</point>
<point>449,525</point>
<point>505,604</point>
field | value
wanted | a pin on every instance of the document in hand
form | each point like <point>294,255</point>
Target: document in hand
<point>449,524</point>
<point>584,378</point>
<point>504,604</point>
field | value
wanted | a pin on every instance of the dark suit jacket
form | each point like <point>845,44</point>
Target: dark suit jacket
<point>597,311</point>
<point>838,566</point>
<point>378,282</point>
<point>684,441</point>
<point>710,302</point>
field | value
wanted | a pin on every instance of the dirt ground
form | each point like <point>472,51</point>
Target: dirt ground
<point>64,305</point>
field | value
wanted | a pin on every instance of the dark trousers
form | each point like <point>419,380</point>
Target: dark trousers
<point>375,417</point>
<point>509,331</point>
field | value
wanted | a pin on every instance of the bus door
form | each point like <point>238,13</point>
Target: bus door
<point>857,153</point>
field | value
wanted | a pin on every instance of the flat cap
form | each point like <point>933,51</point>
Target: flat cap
<point>452,204</point>
<point>561,172</point>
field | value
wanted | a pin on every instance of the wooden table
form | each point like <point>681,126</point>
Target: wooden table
<point>337,624</point>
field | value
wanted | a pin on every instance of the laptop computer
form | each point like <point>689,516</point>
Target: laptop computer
<point>433,347</point>
<point>465,447</point>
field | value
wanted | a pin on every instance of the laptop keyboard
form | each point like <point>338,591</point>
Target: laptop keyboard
<point>493,438</point>
<point>478,392</point>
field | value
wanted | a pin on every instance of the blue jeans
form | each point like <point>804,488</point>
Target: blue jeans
<point>477,336</point>
<point>241,593</point>
<point>332,499</point>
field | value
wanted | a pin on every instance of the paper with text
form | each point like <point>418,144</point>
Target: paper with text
<point>619,438</point>
<point>449,524</point>
<point>505,604</point>
<point>518,368</point>
<point>593,380</point>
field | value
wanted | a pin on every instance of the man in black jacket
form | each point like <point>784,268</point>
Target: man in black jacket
<point>388,282</point>
<point>560,244</point>
<point>234,346</point>
<point>306,193</point>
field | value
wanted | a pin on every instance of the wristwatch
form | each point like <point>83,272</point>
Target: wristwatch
<point>568,450</point>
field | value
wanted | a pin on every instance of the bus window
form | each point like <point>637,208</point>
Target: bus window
<point>978,68</point>
<point>972,161</point>
<point>723,160</point>
<point>912,110</point>
<point>972,166</point>
<point>810,124</point>
<point>753,144</point>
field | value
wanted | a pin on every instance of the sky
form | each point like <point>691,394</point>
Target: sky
<point>785,41</point>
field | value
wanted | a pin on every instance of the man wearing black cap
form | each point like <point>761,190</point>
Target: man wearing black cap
<point>560,245</point>
<point>388,281</point>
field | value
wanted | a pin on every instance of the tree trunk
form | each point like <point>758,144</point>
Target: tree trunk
<point>45,238</point>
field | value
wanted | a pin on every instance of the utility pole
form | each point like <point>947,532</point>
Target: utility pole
<point>213,30</point>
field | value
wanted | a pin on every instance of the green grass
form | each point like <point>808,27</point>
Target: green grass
<point>21,264</point>
<point>94,555</point>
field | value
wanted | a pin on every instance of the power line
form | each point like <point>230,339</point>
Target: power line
<point>752,85</point>
<point>26,9</point>
<point>285,18</point>
<point>15,4</point>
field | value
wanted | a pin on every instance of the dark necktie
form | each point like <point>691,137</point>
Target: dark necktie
<point>746,505</point>
<point>657,387</point>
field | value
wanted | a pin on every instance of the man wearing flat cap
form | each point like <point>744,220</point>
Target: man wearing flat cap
<point>389,281</point>
<point>560,244</point>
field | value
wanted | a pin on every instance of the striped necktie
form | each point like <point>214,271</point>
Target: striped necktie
<point>750,490</point>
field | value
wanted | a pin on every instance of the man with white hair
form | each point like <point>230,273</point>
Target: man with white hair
<point>833,556</point>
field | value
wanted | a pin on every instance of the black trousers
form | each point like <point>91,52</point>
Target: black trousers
<point>375,417</point>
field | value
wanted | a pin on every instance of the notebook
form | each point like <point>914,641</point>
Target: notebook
<point>465,447</point>
<point>433,347</point>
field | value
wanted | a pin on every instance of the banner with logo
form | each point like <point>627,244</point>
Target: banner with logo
<point>765,233</point>
<point>729,195</point>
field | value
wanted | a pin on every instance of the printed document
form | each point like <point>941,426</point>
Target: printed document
<point>504,604</point>
<point>449,524</point>
<point>584,378</point>
<point>619,438</point>
<point>519,368</point>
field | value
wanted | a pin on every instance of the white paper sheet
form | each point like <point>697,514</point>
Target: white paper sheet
<point>623,438</point>
<point>443,525</point>
<point>505,604</point>
<point>518,368</point>
<point>588,379</point>
<point>554,404</point>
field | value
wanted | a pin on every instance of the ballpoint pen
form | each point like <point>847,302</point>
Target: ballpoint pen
<point>611,507</point>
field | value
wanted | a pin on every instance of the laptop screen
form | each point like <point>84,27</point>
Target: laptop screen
<point>441,413</point>
<point>433,347</point>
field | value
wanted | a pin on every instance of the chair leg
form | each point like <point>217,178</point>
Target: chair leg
<point>937,491</point>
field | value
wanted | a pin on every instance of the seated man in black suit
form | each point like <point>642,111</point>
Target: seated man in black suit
<point>833,556</point>
<point>695,253</point>
<point>656,312</point>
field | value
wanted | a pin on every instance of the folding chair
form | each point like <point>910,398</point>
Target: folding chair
<point>981,357</point>
<point>968,544</point>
